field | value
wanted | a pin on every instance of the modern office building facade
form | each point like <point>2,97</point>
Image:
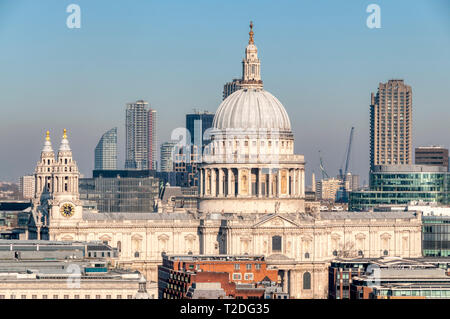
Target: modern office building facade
<point>401,184</point>
<point>431,155</point>
<point>436,235</point>
<point>167,156</point>
<point>123,191</point>
<point>186,161</point>
<point>356,278</point>
<point>141,138</point>
<point>106,151</point>
<point>197,123</point>
<point>391,124</point>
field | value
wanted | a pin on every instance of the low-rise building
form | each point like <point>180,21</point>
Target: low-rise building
<point>240,277</point>
<point>356,278</point>
<point>66,270</point>
<point>401,184</point>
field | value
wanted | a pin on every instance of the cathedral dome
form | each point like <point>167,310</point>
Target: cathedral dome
<point>251,108</point>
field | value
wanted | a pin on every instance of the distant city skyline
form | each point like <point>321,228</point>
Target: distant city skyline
<point>320,60</point>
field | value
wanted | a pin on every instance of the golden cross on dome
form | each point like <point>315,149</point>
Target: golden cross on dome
<point>250,41</point>
<point>48,136</point>
<point>65,133</point>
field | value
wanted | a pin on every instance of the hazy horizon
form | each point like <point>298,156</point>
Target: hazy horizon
<point>318,58</point>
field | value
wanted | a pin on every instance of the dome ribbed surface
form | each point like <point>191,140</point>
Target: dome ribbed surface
<point>251,109</point>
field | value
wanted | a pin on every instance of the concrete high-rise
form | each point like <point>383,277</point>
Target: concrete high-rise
<point>106,151</point>
<point>27,186</point>
<point>152,139</point>
<point>141,138</point>
<point>231,87</point>
<point>391,124</point>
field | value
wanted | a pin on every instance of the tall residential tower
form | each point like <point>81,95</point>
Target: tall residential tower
<point>140,136</point>
<point>391,124</point>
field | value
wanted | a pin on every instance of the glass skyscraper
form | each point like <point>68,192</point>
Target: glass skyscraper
<point>197,123</point>
<point>167,156</point>
<point>106,151</point>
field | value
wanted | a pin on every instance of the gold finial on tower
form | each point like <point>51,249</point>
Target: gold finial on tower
<point>251,41</point>
<point>47,137</point>
<point>65,133</point>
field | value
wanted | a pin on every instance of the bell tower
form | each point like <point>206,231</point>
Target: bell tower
<point>44,171</point>
<point>251,65</point>
<point>65,203</point>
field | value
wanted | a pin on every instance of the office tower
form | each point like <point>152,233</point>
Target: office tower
<point>197,123</point>
<point>152,139</point>
<point>137,136</point>
<point>353,182</point>
<point>106,151</point>
<point>391,124</point>
<point>431,155</point>
<point>26,186</point>
<point>327,189</point>
<point>231,87</point>
<point>123,191</point>
<point>402,184</point>
<point>167,156</point>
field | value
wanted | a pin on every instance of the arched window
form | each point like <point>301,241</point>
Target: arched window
<point>119,246</point>
<point>276,243</point>
<point>306,255</point>
<point>385,253</point>
<point>136,254</point>
<point>360,253</point>
<point>306,280</point>
<point>335,253</point>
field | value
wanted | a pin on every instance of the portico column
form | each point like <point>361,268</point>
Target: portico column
<point>221,182</point>
<point>213,182</point>
<point>259,183</point>
<point>294,182</point>
<point>230,190</point>
<point>290,283</point>
<point>249,182</point>
<point>284,280</point>
<point>200,181</point>
<point>270,183</point>
<point>299,183</point>
<point>302,180</point>
<point>279,182</point>
<point>207,182</point>
<point>238,182</point>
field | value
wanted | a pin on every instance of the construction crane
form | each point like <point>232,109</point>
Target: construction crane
<point>322,168</point>
<point>342,196</point>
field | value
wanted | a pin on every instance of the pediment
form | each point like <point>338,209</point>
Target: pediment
<point>275,221</point>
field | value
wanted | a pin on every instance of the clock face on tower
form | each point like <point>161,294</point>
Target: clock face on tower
<point>67,210</point>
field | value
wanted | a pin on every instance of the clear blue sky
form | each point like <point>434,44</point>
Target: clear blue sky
<point>318,57</point>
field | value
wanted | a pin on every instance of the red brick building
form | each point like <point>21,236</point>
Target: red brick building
<point>239,276</point>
